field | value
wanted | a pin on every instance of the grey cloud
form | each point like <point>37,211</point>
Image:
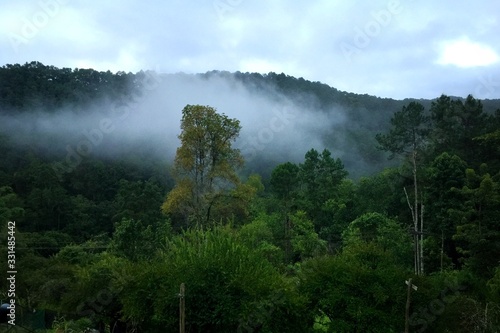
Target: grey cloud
<point>298,38</point>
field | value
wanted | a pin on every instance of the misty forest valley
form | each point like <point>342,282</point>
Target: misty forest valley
<point>244,202</point>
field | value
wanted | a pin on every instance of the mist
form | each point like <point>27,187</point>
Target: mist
<point>275,127</point>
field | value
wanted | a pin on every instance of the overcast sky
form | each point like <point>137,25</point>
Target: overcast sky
<point>398,49</point>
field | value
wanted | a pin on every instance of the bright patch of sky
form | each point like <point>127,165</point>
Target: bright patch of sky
<point>466,53</point>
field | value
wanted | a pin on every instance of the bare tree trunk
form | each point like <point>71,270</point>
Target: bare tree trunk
<point>415,207</point>
<point>415,234</point>
<point>422,239</point>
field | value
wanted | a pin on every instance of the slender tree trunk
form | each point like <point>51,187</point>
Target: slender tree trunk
<point>415,207</point>
<point>422,239</point>
<point>415,250</point>
<point>415,233</point>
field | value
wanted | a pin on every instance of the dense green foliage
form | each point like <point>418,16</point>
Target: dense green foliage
<point>306,249</point>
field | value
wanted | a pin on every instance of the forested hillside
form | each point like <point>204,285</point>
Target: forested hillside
<point>283,205</point>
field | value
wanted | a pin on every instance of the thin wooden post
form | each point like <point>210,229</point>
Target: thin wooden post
<point>182,310</point>
<point>408,302</point>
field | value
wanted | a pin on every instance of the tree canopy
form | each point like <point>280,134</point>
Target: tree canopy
<point>205,164</point>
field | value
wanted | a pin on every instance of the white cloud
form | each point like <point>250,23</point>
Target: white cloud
<point>465,53</point>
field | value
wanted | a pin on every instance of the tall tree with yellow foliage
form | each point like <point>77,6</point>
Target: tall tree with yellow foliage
<point>205,164</point>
